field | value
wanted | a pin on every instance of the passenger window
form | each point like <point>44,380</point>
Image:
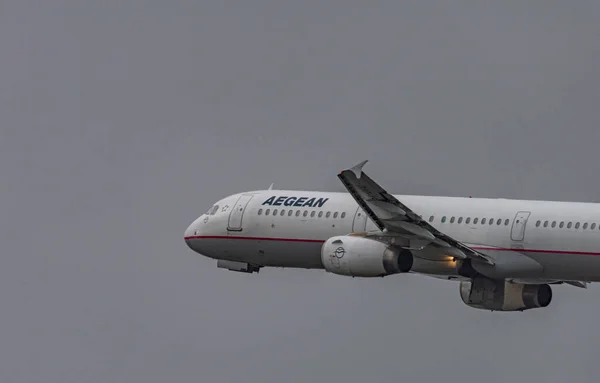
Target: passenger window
<point>290,213</point>
<point>328,214</point>
<point>593,226</point>
<point>499,221</point>
<point>577,225</point>
<point>320,214</point>
<point>553,224</point>
<point>274,211</point>
<point>335,214</point>
<point>483,221</point>
<point>468,220</point>
<point>562,224</point>
<point>585,225</point>
<point>297,213</point>
<point>545,223</point>
<point>460,219</point>
<point>569,225</point>
<point>305,213</point>
<point>537,224</point>
<point>312,213</point>
<point>259,211</point>
<point>267,211</point>
<point>282,212</point>
<point>491,221</point>
<point>452,220</point>
<point>475,220</point>
<point>443,219</point>
<point>343,215</point>
<point>431,219</point>
<point>506,221</point>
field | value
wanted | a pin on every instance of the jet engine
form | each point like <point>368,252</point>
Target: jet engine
<point>363,257</point>
<point>499,295</point>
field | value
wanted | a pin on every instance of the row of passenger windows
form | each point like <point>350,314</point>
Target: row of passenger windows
<point>568,224</point>
<point>498,222</point>
<point>304,213</point>
<point>458,220</point>
<point>475,220</point>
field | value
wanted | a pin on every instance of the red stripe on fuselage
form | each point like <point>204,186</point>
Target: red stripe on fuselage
<point>254,238</point>
<point>321,241</point>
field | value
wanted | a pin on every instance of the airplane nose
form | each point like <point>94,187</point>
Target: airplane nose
<point>193,235</point>
<point>190,232</point>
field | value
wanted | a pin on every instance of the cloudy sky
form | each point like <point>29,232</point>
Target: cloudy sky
<point>122,121</point>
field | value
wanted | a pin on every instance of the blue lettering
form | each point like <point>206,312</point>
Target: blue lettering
<point>320,202</point>
<point>279,201</point>
<point>300,201</point>
<point>295,201</point>
<point>269,201</point>
<point>290,201</point>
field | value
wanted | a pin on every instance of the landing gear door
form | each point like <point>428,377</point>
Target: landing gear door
<point>237,213</point>
<point>360,221</point>
<point>517,232</point>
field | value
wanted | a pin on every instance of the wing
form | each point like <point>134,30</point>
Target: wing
<point>392,216</point>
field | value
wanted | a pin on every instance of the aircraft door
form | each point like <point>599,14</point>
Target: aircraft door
<point>517,232</point>
<point>237,213</point>
<point>360,221</point>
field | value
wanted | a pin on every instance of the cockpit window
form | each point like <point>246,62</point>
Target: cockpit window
<point>212,210</point>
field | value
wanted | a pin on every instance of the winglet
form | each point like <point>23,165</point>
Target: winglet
<point>357,169</point>
<point>270,187</point>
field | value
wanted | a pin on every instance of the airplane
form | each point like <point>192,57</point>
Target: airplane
<point>504,253</point>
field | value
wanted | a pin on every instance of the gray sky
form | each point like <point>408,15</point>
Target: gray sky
<point>122,121</point>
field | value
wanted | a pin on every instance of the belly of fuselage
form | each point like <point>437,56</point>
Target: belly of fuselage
<point>265,252</point>
<point>568,266</point>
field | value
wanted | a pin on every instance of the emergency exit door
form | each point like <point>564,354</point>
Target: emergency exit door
<point>517,232</point>
<point>360,221</point>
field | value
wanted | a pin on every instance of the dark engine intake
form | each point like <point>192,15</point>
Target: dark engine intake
<point>488,294</point>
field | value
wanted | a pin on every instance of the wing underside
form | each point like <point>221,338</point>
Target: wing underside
<point>393,217</point>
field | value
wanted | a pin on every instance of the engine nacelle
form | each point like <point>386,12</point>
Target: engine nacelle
<point>362,257</point>
<point>488,294</point>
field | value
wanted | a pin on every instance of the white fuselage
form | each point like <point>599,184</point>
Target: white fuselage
<point>286,228</point>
